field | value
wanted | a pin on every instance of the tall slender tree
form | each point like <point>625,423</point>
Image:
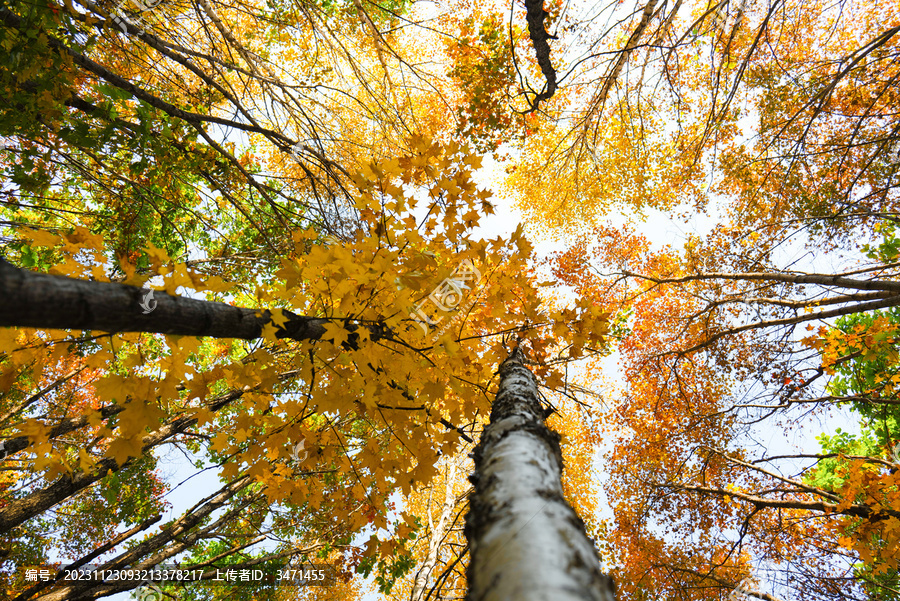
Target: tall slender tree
<point>525,540</point>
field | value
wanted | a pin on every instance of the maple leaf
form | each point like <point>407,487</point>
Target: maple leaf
<point>335,332</point>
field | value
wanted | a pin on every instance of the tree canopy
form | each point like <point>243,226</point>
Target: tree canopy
<point>263,237</point>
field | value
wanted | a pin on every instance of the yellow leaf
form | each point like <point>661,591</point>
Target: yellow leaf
<point>109,388</point>
<point>473,161</point>
<point>278,317</point>
<point>216,284</point>
<point>83,237</point>
<point>121,449</point>
<point>220,442</point>
<point>41,238</point>
<point>336,333</point>
<point>269,332</point>
<point>99,273</point>
<point>157,255</point>
<point>128,267</point>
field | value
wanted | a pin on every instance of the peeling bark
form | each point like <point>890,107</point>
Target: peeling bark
<point>38,300</point>
<point>525,540</point>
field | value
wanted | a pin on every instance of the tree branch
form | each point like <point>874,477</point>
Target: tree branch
<point>539,36</point>
<point>38,300</point>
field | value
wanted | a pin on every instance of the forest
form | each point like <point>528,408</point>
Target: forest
<point>415,300</point>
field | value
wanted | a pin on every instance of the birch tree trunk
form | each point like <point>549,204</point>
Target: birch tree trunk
<point>526,543</point>
<point>437,536</point>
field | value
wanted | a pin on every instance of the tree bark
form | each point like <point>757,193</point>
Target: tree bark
<point>38,300</point>
<point>438,533</point>
<point>525,540</point>
<point>535,15</point>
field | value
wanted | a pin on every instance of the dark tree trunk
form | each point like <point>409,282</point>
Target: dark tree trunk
<point>38,300</point>
<point>526,543</point>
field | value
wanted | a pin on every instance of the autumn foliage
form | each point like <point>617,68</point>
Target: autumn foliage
<point>342,161</point>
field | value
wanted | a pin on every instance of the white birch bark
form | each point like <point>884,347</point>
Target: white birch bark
<point>526,543</point>
<point>437,535</point>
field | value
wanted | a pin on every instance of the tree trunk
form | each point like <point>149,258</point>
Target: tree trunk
<point>39,300</point>
<point>526,543</point>
<point>438,533</point>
